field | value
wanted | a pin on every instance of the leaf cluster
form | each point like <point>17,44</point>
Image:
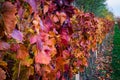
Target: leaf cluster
<point>40,37</point>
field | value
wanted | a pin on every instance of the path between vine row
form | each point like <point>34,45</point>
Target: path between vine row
<point>103,61</point>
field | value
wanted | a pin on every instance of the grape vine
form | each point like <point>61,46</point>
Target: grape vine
<point>47,39</point>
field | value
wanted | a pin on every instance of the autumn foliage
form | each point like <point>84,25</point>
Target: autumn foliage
<point>47,39</point>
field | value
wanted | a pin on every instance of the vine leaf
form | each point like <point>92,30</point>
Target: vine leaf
<point>27,62</point>
<point>33,39</point>
<point>14,47</point>
<point>42,58</point>
<point>4,45</point>
<point>55,18</point>
<point>60,62</point>
<point>9,18</point>
<point>22,52</point>
<point>2,74</point>
<point>62,17</point>
<point>25,72</point>
<point>58,75</point>
<point>32,4</point>
<point>46,8</point>
<point>16,34</point>
<point>3,64</point>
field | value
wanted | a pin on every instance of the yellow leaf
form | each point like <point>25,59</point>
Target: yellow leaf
<point>3,63</point>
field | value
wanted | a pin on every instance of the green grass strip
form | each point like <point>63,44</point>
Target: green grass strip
<point>116,54</point>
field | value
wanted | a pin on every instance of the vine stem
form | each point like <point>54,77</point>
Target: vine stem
<point>19,67</point>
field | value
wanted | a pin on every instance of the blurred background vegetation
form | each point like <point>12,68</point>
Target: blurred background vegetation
<point>98,7</point>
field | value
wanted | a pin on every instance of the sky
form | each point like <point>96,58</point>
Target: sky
<point>114,6</point>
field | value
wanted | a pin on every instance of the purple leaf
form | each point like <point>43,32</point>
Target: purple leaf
<point>41,25</point>
<point>39,44</point>
<point>32,4</point>
<point>20,12</point>
<point>48,24</point>
<point>4,45</point>
<point>16,34</point>
<point>33,39</point>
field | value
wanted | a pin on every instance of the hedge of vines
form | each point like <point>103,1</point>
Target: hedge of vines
<point>46,39</point>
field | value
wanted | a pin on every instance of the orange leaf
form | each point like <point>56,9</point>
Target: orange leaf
<point>3,64</point>
<point>9,18</point>
<point>22,52</point>
<point>42,58</point>
<point>62,17</point>
<point>60,63</point>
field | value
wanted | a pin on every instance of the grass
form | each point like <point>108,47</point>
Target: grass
<point>116,54</point>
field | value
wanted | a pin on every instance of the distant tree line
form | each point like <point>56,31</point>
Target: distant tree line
<point>98,7</point>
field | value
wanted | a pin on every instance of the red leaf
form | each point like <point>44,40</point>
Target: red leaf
<point>42,58</point>
<point>4,45</point>
<point>9,18</point>
<point>16,34</point>
<point>58,75</point>
<point>65,38</point>
<point>14,47</point>
<point>2,74</point>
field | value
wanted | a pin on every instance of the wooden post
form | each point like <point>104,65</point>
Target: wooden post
<point>77,76</point>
